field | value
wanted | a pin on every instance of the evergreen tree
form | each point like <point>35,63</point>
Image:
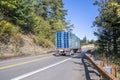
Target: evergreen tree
<point>40,17</point>
<point>108,21</point>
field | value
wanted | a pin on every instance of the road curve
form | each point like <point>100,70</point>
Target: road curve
<point>43,67</point>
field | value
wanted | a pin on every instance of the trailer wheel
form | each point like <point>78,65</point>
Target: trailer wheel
<point>75,50</point>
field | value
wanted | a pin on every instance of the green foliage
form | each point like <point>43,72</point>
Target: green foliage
<point>18,12</point>
<point>9,33</point>
<point>24,15</point>
<point>40,17</point>
<point>84,41</point>
<point>5,31</point>
<point>35,40</point>
<point>49,19</point>
<point>42,27</point>
<point>43,42</point>
<point>7,7</point>
<point>108,24</point>
<point>47,43</point>
<point>16,38</point>
<point>118,74</point>
<point>1,54</point>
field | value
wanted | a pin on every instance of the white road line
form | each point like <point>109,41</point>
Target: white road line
<point>39,70</point>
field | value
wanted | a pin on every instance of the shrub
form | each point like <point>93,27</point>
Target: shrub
<point>5,31</point>
<point>9,33</point>
<point>41,41</point>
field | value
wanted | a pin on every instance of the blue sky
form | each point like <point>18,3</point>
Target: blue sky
<point>81,13</point>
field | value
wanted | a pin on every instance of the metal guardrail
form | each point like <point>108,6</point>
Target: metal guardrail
<point>101,70</point>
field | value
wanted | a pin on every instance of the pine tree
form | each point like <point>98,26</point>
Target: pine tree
<point>108,21</point>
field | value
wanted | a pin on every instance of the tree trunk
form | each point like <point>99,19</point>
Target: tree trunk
<point>114,41</point>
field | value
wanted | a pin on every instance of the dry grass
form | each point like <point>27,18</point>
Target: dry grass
<point>28,48</point>
<point>118,75</point>
<point>11,56</point>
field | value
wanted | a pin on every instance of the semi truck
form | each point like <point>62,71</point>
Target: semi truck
<point>67,43</point>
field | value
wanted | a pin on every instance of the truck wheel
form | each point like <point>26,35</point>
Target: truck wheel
<point>71,52</point>
<point>75,51</point>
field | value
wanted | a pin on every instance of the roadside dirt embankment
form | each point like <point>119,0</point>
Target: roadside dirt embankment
<point>26,48</point>
<point>90,46</point>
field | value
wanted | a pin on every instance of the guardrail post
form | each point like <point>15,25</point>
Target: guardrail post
<point>114,70</point>
<point>102,64</point>
<point>108,74</point>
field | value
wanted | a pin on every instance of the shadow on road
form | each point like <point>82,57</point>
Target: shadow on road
<point>63,55</point>
<point>90,71</point>
<point>86,69</point>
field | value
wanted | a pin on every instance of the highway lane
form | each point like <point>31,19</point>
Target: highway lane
<point>43,67</point>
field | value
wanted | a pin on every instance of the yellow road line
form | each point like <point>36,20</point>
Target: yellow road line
<point>22,63</point>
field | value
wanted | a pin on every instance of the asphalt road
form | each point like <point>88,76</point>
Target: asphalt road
<point>43,67</point>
